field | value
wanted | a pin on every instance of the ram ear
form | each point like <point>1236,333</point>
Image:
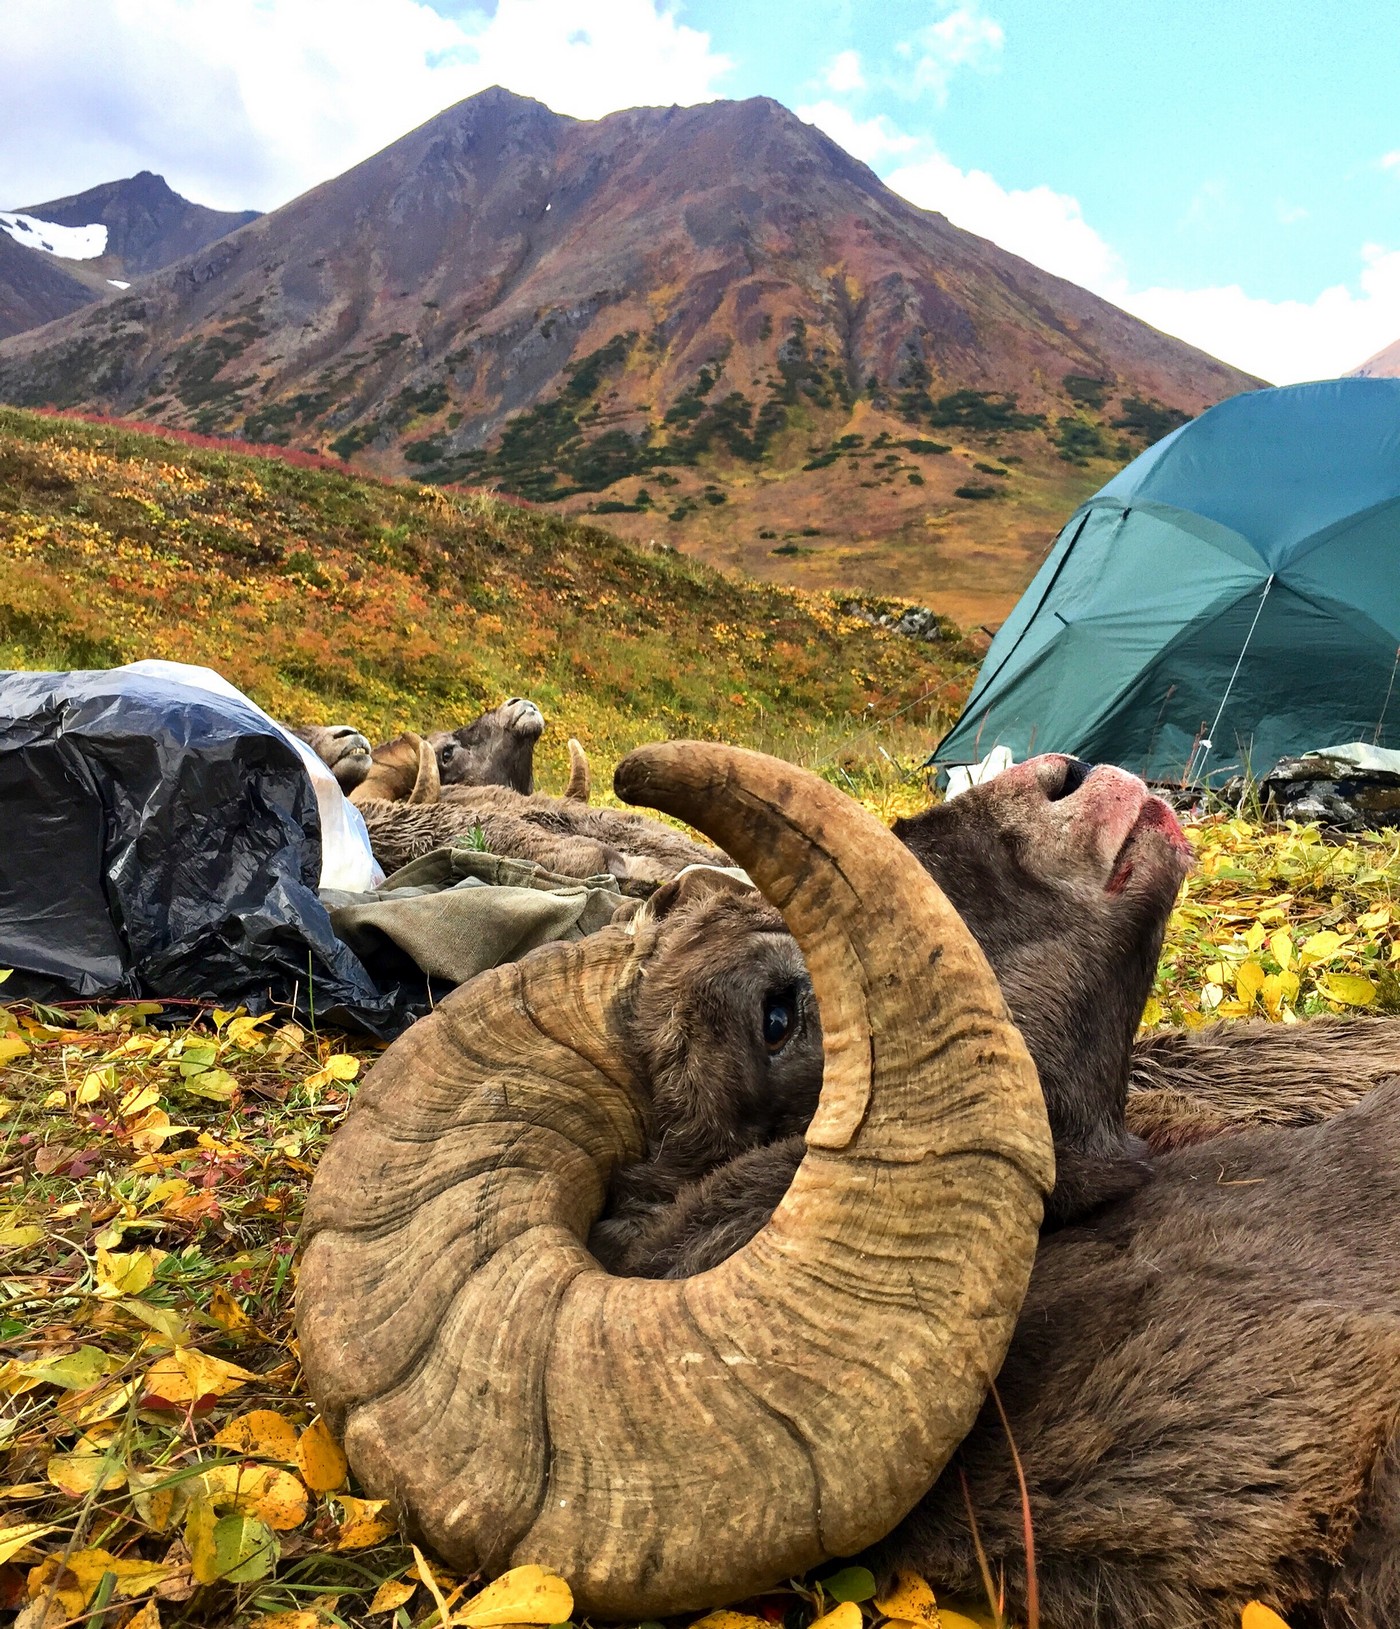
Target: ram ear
<point>694,883</point>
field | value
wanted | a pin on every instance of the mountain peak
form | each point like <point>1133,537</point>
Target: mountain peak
<point>712,314</point>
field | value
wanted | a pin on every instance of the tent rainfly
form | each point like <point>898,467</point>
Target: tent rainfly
<point>1230,598</point>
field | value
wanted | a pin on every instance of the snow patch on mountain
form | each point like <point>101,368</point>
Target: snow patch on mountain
<point>67,242</point>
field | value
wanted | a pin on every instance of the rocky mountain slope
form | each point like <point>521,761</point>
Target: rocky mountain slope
<point>1384,364</point>
<point>137,225</point>
<point>35,288</point>
<point>710,324</point>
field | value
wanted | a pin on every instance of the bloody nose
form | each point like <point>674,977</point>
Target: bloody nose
<point>1076,773</point>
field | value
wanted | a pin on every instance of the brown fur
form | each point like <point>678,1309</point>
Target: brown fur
<point>573,838</point>
<point>1189,1085</point>
<point>1204,1386</point>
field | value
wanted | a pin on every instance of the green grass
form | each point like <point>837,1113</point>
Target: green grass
<point>388,606</point>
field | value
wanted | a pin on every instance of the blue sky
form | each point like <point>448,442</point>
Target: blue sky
<point>1229,171</point>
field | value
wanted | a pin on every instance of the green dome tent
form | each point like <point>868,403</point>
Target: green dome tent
<point>1230,598</point>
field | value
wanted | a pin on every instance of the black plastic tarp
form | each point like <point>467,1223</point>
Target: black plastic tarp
<point>158,840</point>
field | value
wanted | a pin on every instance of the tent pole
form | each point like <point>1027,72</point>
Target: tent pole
<point>1204,747</point>
<point>1389,691</point>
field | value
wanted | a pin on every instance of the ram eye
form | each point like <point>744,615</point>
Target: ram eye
<point>446,751</point>
<point>779,1019</point>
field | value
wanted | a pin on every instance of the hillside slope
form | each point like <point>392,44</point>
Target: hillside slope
<point>35,288</point>
<point>391,606</point>
<point>669,309</point>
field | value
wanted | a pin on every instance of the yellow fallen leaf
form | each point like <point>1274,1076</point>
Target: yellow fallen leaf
<point>1258,1616</point>
<point>392,1594</point>
<point>101,1403</point>
<point>235,1547</point>
<point>910,1600</point>
<point>845,1616</point>
<point>1249,980</point>
<point>74,1580</point>
<point>12,1047</point>
<point>302,1619</point>
<point>24,1490</point>
<point>244,1031</point>
<point>526,1595</point>
<point>1255,939</point>
<point>730,1620</point>
<point>272,1496</point>
<point>361,1525</point>
<point>79,1474</point>
<point>263,1433</point>
<point>156,1494</point>
<point>121,1274</point>
<point>74,1371</point>
<point>339,1066</point>
<point>959,1620</point>
<point>95,1082</point>
<point>20,1238</point>
<point>150,1131</point>
<point>186,1375</point>
<point>1281,948</point>
<point>139,1099</point>
<point>1320,948</point>
<point>148,1617</point>
<point>166,1322</point>
<point>1349,988</point>
<point>223,1309</point>
<point>320,1459</point>
<point>425,1572</point>
<point>16,1537</point>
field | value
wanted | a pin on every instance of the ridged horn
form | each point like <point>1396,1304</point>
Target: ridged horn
<point>671,1445</point>
<point>580,785</point>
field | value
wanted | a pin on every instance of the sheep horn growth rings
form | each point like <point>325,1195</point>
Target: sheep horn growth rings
<point>668,1445</point>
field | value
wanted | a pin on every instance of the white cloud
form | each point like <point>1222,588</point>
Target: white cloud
<point>843,73</point>
<point>1043,226</point>
<point>1390,161</point>
<point>961,39</point>
<point>249,102</point>
<point>1285,341</point>
<point>869,140</point>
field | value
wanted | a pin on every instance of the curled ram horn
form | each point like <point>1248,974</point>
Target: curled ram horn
<point>667,1445</point>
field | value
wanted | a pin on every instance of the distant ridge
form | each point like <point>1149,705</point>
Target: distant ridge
<point>149,225</point>
<point>146,224</point>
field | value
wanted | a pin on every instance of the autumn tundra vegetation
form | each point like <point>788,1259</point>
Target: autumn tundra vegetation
<point>166,1457</point>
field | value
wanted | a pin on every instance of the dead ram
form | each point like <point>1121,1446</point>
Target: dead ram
<point>1150,1396</point>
